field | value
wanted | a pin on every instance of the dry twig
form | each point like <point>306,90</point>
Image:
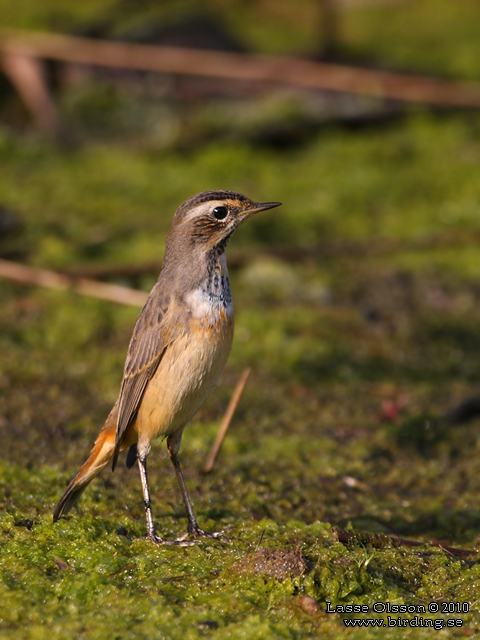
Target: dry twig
<point>227,419</point>
<point>53,280</point>
<point>322,251</point>
<point>307,74</point>
<point>27,74</point>
<point>380,540</point>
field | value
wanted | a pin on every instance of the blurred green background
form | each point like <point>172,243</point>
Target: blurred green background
<point>357,307</point>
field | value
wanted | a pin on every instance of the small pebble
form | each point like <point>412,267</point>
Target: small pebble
<point>309,605</point>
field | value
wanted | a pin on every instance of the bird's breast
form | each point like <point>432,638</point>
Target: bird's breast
<point>211,301</point>
<point>191,365</point>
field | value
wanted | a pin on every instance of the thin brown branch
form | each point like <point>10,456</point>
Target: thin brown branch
<point>100,272</point>
<point>122,570</point>
<point>322,251</point>
<point>374,246</point>
<point>380,540</point>
<point>53,280</point>
<point>27,74</point>
<point>227,419</point>
<point>62,565</point>
<point>256,68</point>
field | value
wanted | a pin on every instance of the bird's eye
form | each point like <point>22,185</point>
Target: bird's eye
<point>220,213</point>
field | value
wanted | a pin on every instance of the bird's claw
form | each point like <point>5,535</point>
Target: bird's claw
<point>198,533</point>
<point>178,542</point>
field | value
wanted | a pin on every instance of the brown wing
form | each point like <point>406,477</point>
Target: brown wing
<point>145,352</point>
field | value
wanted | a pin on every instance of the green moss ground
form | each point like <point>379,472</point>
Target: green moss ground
<point>356,356</point>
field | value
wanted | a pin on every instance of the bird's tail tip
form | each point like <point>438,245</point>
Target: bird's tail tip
<point>66,502</point>
<point>99,457</point>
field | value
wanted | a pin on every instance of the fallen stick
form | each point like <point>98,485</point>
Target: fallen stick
<point>227,419</point>
<point>328,249</point>
<point>307,74</point>
<point>53,280</point>
<point>127,270</point>
<point>380,540</point>
<point>27,74</point>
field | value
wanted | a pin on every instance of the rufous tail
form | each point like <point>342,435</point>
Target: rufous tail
<point>99,457</point>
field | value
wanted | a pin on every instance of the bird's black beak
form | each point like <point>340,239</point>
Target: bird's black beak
<point>261,206</point>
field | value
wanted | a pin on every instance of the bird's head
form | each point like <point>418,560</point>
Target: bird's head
<point>207,220</point>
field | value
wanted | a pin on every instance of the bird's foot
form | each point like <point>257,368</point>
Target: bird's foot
<point>179,542</point>
<point>196,532</point>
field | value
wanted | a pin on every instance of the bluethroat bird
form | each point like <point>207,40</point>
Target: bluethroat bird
<point>179,347</point>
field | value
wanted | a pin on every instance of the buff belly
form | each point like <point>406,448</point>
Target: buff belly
<point>187,373</point>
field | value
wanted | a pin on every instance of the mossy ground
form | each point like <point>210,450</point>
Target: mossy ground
<point>356,356</point>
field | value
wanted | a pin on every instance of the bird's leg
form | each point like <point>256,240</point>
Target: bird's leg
<point>193,528</point>
<point>152,534</point>
<point>142,465</point>
<point>173,445</point>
